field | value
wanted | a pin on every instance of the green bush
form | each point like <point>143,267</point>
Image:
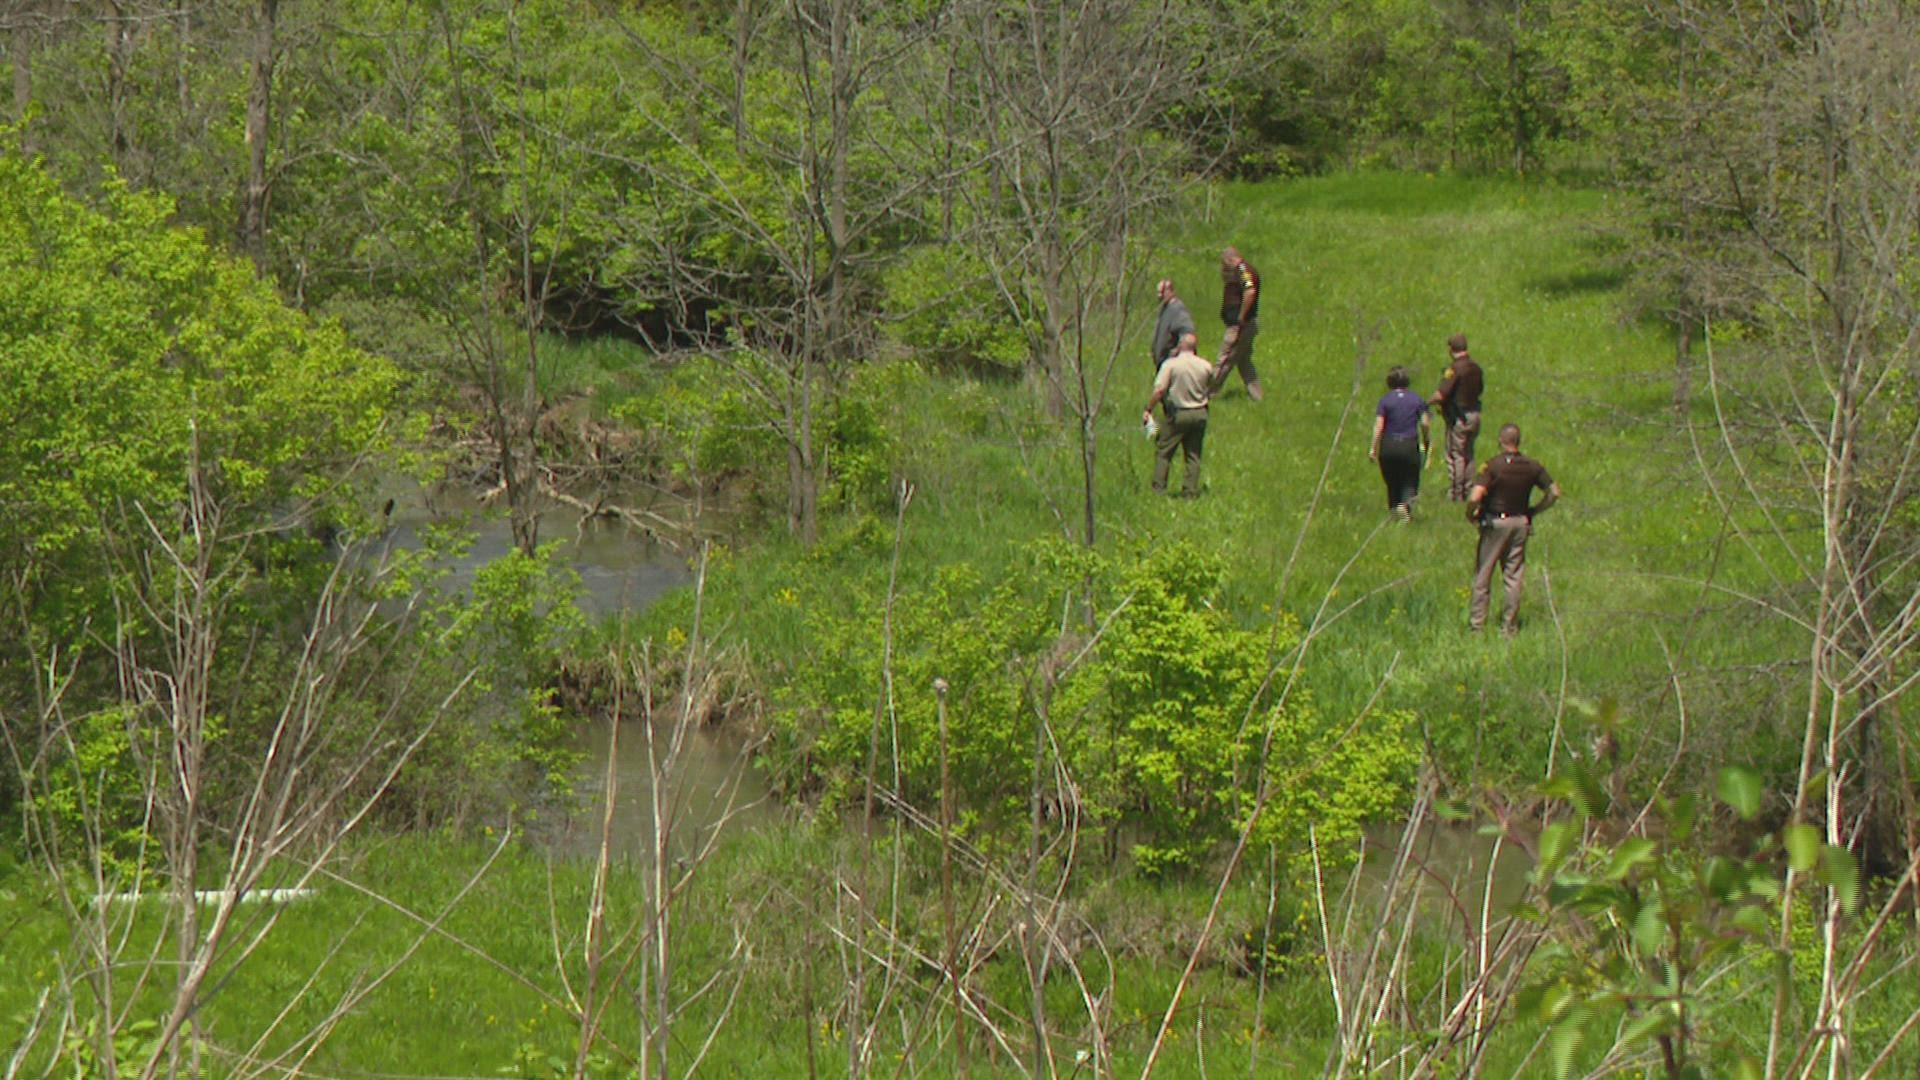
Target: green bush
<point>948,312</point>
<point>704,422</point>
<point>523,617</point>
<point>863,437</point>
<point>1650,934</point>
<point>1157,715</point>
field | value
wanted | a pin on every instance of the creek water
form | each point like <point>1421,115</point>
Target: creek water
<point>1455,866</point>
<point>622,571</point>
<point>711,787</point>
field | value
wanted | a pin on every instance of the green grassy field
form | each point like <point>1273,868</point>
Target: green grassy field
<point>1380,268</point>
<point>1377,268</point>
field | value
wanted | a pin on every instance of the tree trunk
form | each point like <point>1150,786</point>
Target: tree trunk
<point>841,90</point>
<point>840,96</point>
<point>743,20</point>
<point>1036,949</point>
<point>947,142</point>
<point>1517,95</point>
<point>119,45</point>
<point>532,309</point>
<point>1682,366</point>
<point>487,353</point>
<point>253,202</point>
<point>803,472</point>
<point>1087,452</point>
<point>1053,332</point>
<point>20,43</point>
<point>183,61</point>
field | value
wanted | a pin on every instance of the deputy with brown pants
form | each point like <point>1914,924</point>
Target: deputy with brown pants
<point>1458,400</point>
<point>1498,504</point>
<point>1183,383</point>
<point>1240,311</point>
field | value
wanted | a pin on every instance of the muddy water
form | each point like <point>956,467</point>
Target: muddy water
<point>621,570</point>
<point>710,784</point>
<point>712,788</point>
<point>1461,872</point>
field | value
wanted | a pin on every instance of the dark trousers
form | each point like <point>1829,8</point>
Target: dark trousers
<point>1400,468</point>
<point>1185,429</point>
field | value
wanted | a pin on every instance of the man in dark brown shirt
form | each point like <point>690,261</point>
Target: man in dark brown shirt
<point>1458,400</point>
<point>1498,504</point>
<point>1240,310</point>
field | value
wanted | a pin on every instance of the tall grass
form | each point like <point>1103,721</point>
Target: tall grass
<point>487,993</point>
<point>601,370</point>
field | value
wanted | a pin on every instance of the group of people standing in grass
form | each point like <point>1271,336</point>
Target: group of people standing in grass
<point>1185,382</point>
<point>1498,495</point>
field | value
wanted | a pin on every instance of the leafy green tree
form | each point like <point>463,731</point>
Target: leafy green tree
<point>1063,109</point>
<point>133,356</point>
<point>178,433</point>
<point>152,93</point>
<point>783,166</point>
<point>1795,247</point>
<point>435,189</point>
<point>210,680</point>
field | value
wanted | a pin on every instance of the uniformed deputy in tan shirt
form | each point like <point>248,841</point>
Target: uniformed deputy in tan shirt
<point>1183,383</point>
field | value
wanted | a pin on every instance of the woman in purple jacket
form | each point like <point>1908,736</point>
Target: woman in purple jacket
<point>1400,441</point>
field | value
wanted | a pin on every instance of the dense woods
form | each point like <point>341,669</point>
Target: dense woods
<point>842,303</point>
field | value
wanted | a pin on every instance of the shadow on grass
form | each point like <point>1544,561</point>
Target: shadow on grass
<point>1591,280</point>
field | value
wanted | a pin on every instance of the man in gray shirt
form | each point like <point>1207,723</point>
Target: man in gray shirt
<point>1173,322</point>
<point>1184,383</point>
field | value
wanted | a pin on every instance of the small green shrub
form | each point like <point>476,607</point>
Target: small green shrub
<point>706,424</point>
<point>863,437</point>
<point>98,788</point>
<point>1157,714</point>
<point>948,311</point>
<point>522,617</point>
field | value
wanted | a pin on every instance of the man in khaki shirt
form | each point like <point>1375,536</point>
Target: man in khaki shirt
<point>1183,383</point>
